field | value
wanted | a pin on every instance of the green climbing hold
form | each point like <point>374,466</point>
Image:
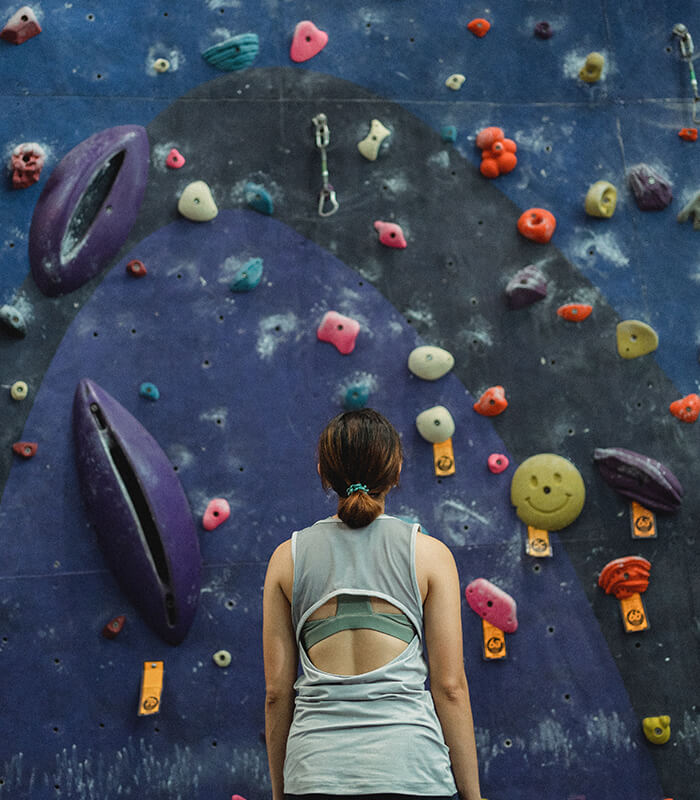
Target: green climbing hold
<point>248,276</point>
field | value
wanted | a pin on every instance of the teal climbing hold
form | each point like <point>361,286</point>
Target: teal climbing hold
<point>149,391</point>
<point>235,53</point>
<point>248,276</point>
<point>258,198</point>
<point>356,397</point>
<point>448,133</point>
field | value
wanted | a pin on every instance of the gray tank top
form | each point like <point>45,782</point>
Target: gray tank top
<point>376,732</point>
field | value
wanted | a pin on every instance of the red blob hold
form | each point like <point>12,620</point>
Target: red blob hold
<point>25,449</point>
<point>575,312</point>
<point>626,576</point>
<point>492,402</point>
<point>114,627</point>
<point>218,511</point>
<point>537,224</point>
<point>21,26</point>
<point>689,134</point>
<point>307,41</point>
<point>175,159</point>
<point>479,27</point>
<point>687,409</point>
<point>136,268</point>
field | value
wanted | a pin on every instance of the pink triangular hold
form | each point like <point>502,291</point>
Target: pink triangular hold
<point>218,511</point>
<point>307,41</point>
<point>390,234</point>
<point>21,26</point>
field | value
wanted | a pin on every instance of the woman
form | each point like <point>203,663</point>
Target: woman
<point>356,597</point>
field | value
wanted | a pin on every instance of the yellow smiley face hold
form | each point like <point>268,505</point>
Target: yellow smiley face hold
<point>547,491</point>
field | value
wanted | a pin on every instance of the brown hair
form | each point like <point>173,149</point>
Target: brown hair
<point>359,447</point>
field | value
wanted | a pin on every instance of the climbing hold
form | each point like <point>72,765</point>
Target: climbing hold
<point>149,391</point>
<point>492,402</point>
<point>497,463</point>
<point>435,424</point>
<point>114,627</point>
<point>22,25</point>
<point>687,409</point>
<point>161,65</point>
<point>235,53</point>
<point>592,70</point>
<point>217,511</point>
<point>248,276</point>
<point>657,729</point>
<point>369,146</point>
<point>537,224</point>
<point>25,449</point>
<point>448,133</point>
<point>547,491</point>
<point>430,363</point>
<point>222,658</point>
<point>339,330</point>
<point>196,202</point>
<point>543,30</point>
<point>689,134</point>
<point>487,137</point>
<point>258,198</point>
<point>136,268</point>
<point>635,338</point>
<point>601,199</point>
<point>307,41</point>
<point>356,397</point>
<point>497,152</point>
<point>492,604</point>
<point>390,234</point>
<point>575,312</point>
<point>26,163</point>
<point>651,191</point>
<point>625,576</point>
<point>18,390</point>
<point>479,27</point>
<point>14,320</point>
<point>455,81</point>
<point>174,159</point>
<point>526,287</point>
<point>693,207</point>
<point>640,478</point>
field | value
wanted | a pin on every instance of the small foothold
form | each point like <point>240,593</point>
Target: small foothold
<point>497,463</point>
<point>635,339</point>
<point>435,424</point>
<point>601,199</point>
<point>233,54</point>
<point>689,134</point>
<point>651,191</point>
<point>390,234</point>
<point>543,30</point>
<point>537,224</point>
<point>222,658</point>
<point>692,208</point>
<point>21,26</point>
<point>26,163</point>
<point>687,409</point>
<point>19,390</point>
<point>497,153</point>
<point>136,268</point>
<point>575,312</point>
<point>174,159</point>
<point>217,511</point>
<point>592,70</point>
<point>307,41</point>
<point>492,604</point>
<point>479,27</point>
<point>369,146</point>
<point>258,198</point>
<point>14,320</point>
<point>247,277</point>
<point>114,627</point>
<point>161,65</point>
<point>338,330</point>
<point>657,729</point>
<point>25,449</point>
<point>430,363</point>
<point>526,287</point>
<point>149,391</point>
<point>448,133</point>
<point>197,203</point>
<point>625,576</point>
<point>455,81</point>
<point>356,397</point>
<point>492,402</point>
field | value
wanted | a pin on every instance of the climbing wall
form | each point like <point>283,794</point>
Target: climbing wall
<point>244,384</point>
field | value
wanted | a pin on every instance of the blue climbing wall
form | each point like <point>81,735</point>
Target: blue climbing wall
<point>245,386</point>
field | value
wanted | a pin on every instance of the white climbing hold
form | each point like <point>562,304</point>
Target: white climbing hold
<point>435,424</point>
<point>197,203</point>
<point>369,146</point>
<point>455,81</point>
<point>430,363</point>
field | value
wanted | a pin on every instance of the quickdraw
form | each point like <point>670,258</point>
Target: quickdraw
<point>327,201</point>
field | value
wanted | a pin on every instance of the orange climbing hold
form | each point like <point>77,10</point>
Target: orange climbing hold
<point>479,27</point>
<point>25,449</point>
<point>497,152</point>
<point>575,312</point>
<point>492,402</point>
<point>687,409</point>
<point>625,576</point>
<point>537,224</point>
<point>689,134</point>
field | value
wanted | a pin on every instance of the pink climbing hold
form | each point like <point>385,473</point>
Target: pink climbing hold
<point>492,604</point>
<point>175,159</point>
<point>497,463</point>
<point>339,330</point>
<point>218,511</point>
<point>390,234</point>
<point>307,41</point>
<point>21,26</point>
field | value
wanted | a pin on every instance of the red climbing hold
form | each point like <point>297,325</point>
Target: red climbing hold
<point>575,312</point>
<point>390,234</point>
<point>21,26</point>
<point>497,152</point>
<point>479,27</point>
<point>25,449</point>
<point>537,224</point>
<point>174,159</point>
<point>136,268</point>
<point>114,627</point>
<point>492,402</point>
<point>687,409</point>
<point>497,463</point>
<point>625,576</point>
<point>339,330</point>
<point>689,134</point>
<point>218,511</point>
<point>307,41</point>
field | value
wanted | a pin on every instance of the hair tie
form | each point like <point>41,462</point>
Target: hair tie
<point>356,487</point>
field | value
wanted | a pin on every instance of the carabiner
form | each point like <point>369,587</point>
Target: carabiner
<point>327,193</point>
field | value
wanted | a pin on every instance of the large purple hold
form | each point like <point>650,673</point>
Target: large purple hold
<point>138,507</point>
<point>651,191</point>
<point>526,287</point>
<point>87,208</point>
<point>640,478</point>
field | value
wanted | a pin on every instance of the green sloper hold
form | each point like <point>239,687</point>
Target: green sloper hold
<point>547,491</point>
<point>258,198</point>
<point>635,338</point>
<point>248,276</point>
<point>235,53</point>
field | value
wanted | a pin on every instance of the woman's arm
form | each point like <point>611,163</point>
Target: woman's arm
<point>443,638</point>
<point>280,657</point>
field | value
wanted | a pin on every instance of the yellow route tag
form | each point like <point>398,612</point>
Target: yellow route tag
<point>444,458</point>
<point>538,543</point>
<point>634,616</point>
<point>151,688</point>
<point>642,522</point>
<point>494,642</point>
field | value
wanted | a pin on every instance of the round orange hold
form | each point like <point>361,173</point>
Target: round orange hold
<point>687,409</point>
<point>575,312</point>
<point>537,224</point>
<point>479,27</point>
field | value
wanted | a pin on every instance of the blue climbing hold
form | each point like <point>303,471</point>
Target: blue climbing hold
<point>258,198</point>
<point>448,133</point>
<point>356,396</point>
<point>248,276</point>
<point>235,53</point>
<point>149,391</point>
